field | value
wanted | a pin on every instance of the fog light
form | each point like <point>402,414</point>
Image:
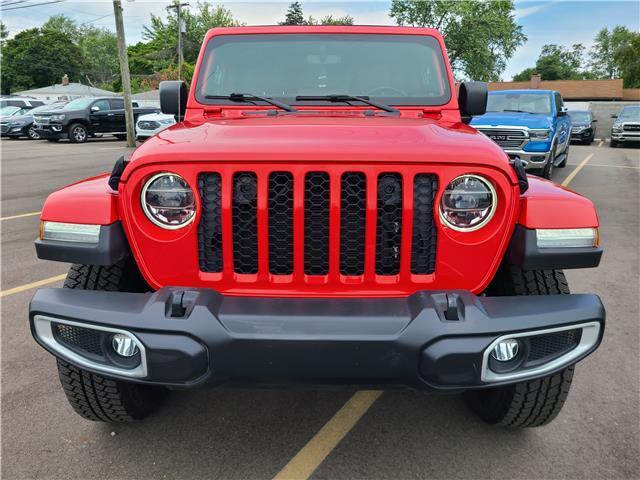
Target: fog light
<point>506,350</point>
<point>124,345</point>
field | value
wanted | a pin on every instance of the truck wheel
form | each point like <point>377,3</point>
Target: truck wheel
<point>78,133</point>
<point>548,168</point>
<point>531,403</point>
<point>93,396</point>
<point>613,144</point>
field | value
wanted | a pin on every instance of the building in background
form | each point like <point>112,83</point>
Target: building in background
<point>64,91</point>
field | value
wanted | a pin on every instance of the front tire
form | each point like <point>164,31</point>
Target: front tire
<point>547,171</point>
<point>93,396</point>
<point>78,133</point>
<point>32,134</point>
<point>531,403</point>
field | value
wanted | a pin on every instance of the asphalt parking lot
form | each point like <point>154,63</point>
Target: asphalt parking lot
<point>252,433</point>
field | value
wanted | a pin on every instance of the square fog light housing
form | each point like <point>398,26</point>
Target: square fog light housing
<point>70,232</point>
<point>567,237</point>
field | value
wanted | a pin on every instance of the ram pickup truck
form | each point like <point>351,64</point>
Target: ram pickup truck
<point>626,126</point>
<point>532,125</point>
<point>321,214</point>
<point>86,117</point>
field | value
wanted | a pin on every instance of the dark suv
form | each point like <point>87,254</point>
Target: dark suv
<point>583,127</point>
<point>85,117</point>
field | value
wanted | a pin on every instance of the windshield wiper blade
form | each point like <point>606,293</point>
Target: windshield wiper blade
<point>250,97</point>
<point>516,111</point>
<point>346,98</point>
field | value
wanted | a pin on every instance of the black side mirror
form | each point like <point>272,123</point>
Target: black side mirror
<point>173,98</point>
<point>594,120</point>
<point>472,99</point>
<point>613,115</point>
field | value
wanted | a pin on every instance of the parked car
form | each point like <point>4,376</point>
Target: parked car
<point>532,125</point>
<point>583,127</point>
<point>626,128</point>
<point>308,234</point>
<point>85,117</point>
<point>148,125</point>
<point>20,102</point>
<point>20,124</point>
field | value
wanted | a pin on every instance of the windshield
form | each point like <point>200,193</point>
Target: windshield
<point>392,69</point>
<point>519,102</point>
<point>630,113</point>
<point>9,110</point>
<point>78,104</point>
<point>580,117</point>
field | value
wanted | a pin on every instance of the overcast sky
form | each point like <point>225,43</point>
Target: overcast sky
<point>563,22</point>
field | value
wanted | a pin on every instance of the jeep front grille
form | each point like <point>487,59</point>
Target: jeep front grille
<point>340,219</point>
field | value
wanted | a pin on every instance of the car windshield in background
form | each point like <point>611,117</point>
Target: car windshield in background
<point>393,69</point>
<point>519,102</point>
<point>9,110</point>
<point>630,114</point>
<point>78,104</point>
<point>580,117</point>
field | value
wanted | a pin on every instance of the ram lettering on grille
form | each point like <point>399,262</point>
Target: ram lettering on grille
<point>356,210</point>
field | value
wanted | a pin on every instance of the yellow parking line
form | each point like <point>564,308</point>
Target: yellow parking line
<point>29,286</point>
<point>601,143</point>
<point>31,214</point>
<point>320,446</point>
<point>576,170</point>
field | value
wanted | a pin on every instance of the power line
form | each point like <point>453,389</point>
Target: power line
<point>31,5</point>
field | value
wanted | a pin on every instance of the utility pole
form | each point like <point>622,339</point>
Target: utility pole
<point>124,73</point>
<point>181,30</point>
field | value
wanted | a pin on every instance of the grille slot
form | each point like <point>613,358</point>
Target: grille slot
<point>389,225</point>
<point>245,223</point>
<point>316,223</point>
<point>210,227</point>
<point>423,242</point>
<point>281,223</point>
<point>546,347</point>
<point>77,338</point>
<point>353,211</point>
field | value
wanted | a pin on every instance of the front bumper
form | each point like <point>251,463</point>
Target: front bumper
<point>52,131</point>
<point>585,134</point>
<point>189,338</point>
<point>534,160</point>
<point>626,136</point>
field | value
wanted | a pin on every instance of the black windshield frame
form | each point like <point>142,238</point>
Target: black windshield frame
<point>439,65</point>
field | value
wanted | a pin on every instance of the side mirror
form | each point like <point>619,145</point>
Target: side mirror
<point>564,111</point>
<point>95,109</point>
<point>594,120</point>
<point>173,97</point>
<point>472,99</point>
<point>613,115</point>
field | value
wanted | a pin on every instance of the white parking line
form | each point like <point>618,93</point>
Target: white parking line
<point>573,174</point>
<point>601,143</point>
<point>22,215</point>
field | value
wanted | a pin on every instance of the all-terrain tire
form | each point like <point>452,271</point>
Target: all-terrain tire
<point>531,403</point>
<point>93,396</point>
<point>78,133</point>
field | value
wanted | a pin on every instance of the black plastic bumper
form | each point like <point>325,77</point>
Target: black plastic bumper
<point>415,341</point>
<point>46,132</point>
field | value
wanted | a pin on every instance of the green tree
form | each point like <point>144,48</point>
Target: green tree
<point>480,36</point>
<point>294,15</point>
<point>38,57</point>
<point>628,59</point>
<point>100,49</point>
<point>606,47</point>
<point>4,33</point>
<point>65,25</point>
<point>558,63</point>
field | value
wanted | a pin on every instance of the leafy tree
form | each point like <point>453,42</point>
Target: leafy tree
<point>628,58</point>
<point>100,49</point>
<point>294,15</point>
<point>606,48</point>
<point>4,33</point>
<point>558,63</point>
<point>38,57</point>
<point>480,36</point>
<point>65,25</point>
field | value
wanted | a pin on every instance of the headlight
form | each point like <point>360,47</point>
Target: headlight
<point>57,118</point>
<point>468,203</point>
<point>617,127</point>
<point>17,124</point>
<point>167,200</point>
<point>539,135</point>
<point>69,232</point>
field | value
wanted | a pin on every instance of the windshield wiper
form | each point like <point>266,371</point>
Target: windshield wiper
<point>250,97</point>
<point>516,111</point>
<point>346,99</point>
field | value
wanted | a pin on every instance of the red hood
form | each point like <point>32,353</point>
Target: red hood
<point>306,138</point>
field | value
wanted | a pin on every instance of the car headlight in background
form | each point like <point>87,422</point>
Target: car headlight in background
<point>168,201</point>
<point>69,232</point>
<point>539,135</point>
<point>57,118</point>
<point>468,203</point>
<point>617,127</point>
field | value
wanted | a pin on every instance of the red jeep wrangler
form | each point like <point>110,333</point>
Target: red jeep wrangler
<point>321,214</point>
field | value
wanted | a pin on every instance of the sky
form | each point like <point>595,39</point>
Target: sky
<point>563,22</point>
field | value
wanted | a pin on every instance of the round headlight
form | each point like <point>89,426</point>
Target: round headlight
<point>167,200</point>
<point>468,203</point>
